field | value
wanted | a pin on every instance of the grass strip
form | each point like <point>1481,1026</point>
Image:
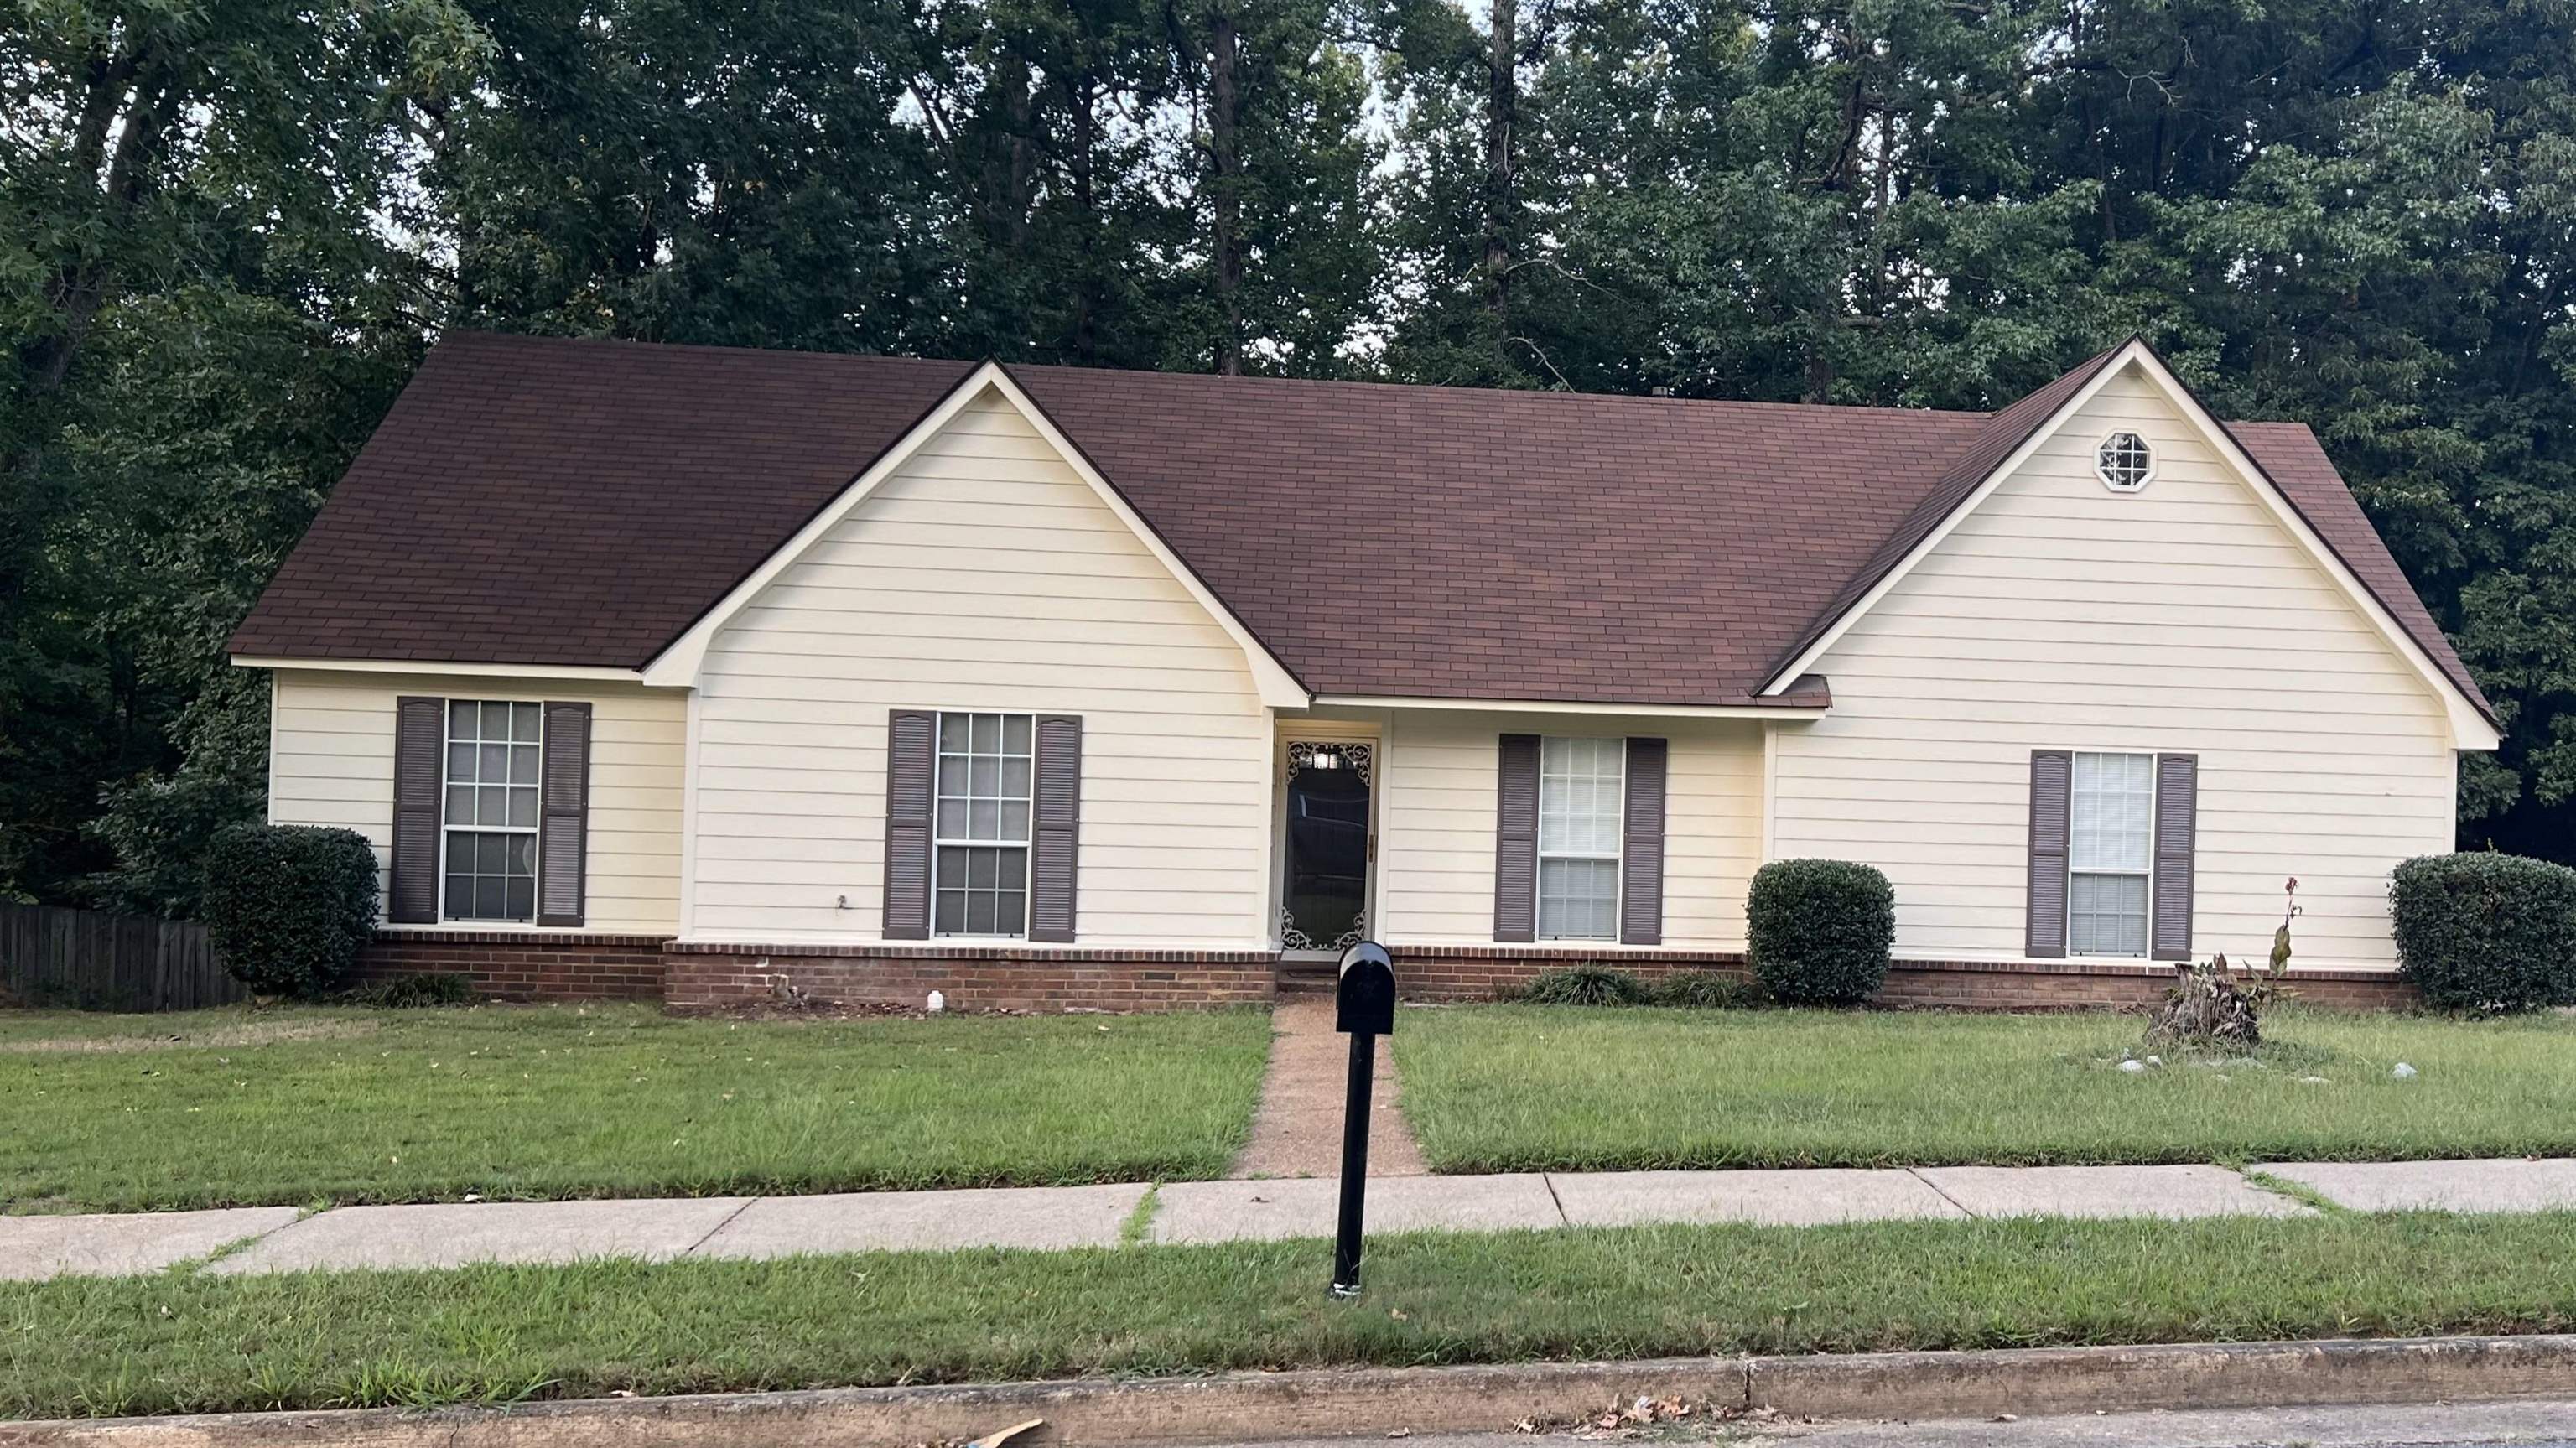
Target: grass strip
<point>167,1344</point>
<point>1132,1232</point>
<point>2300,1192</point>
<point>334,1106</point>
<point>1570,1088</point>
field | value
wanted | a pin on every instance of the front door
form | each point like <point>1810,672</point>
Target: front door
<point>1323,896</point>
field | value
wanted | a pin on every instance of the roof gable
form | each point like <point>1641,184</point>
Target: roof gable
<point>678,664</point>
<point>2320,516</point>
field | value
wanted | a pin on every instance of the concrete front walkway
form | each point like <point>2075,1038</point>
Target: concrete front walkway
<point>279,1239</point>
<point>1298,1131</point>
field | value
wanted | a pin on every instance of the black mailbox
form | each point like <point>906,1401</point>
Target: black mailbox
<point>1363,1009</point>
<point>1364,1000</point>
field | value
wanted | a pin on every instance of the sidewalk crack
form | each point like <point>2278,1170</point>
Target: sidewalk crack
<point>1548,1180</point>
<point>1917,1174</point>
<point>693,1247</point>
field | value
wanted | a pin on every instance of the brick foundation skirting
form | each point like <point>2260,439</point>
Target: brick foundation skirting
<point>515,966</point>
<point>575,967</point>
<point>1468,972</point>
<point>1032,978</point>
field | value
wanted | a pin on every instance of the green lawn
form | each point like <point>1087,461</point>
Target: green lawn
<point>234,1107</point>
<point>1527,1088</point>
<point>196,1343</point>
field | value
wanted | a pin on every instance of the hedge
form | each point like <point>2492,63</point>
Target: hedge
<point>2486,933</point>
<point>1818,932</point>
<point>289,906</point>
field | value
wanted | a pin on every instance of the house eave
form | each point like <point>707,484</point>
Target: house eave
<point>1798,708</point>
<point>586,673</point>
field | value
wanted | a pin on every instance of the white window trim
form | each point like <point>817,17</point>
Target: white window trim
<point>1027,848</point>
<point>448,829</point>
<point>2155,787</point>
<point>2104,474</point>
<point>1619,856</point>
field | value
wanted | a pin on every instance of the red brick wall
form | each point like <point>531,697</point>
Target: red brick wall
<point>971,978</point>
<point>1482,972</point>
<point>516,966</point>
<point>2057,985</point>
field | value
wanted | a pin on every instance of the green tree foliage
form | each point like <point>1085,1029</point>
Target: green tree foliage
<point>228,229</point>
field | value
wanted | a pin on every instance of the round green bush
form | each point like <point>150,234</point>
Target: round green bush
<point>1818,931</point>
<point>2486,933</point>
<point>288,906</point>
<point>1584,985</point>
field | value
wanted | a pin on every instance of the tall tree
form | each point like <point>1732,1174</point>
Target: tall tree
<point>732,172</point>
<point>182,189</point>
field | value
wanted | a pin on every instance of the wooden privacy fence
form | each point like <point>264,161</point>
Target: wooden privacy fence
<point>50,956</point>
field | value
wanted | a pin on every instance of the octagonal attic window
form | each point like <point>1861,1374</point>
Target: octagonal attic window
<point>2123,463</point>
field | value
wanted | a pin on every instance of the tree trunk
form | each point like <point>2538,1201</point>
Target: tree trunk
<point>1502,114</point>
<point>1225,211</point>
<point>149,100</point>
<point>1086,213</point>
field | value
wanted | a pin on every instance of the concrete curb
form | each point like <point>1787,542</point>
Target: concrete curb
<point>1325,1402</point>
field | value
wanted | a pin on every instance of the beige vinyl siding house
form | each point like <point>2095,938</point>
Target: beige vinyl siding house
<point>2085,678</point>
<point>982,575</point>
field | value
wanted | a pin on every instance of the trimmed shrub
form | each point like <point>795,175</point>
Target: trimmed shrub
<point>288,906</point>
<point>1584,985</point>
<point>2485,932</point>
<point>1705,990</point>
<point>402,992</point>
<point>1818,931</point>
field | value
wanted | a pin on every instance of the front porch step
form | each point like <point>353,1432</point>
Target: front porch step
<point>1307,977</point>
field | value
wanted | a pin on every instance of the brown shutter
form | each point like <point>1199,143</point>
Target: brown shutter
<point>563,829</point>
<point>1055,827</point>
<point>2177,831</point>
<point>2051,776</point>
<point>1641,872</point>
<point>420,777</point>
<point>912,759</point>
<point>1516,840</point>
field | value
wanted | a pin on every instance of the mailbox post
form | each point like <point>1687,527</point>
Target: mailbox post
<point>1363,1009</point>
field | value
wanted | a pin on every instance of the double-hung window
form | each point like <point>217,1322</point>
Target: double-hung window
<point>490,832</point>
<point>1581,783</point>
<point>2110,853</point>
<point>981,838</point>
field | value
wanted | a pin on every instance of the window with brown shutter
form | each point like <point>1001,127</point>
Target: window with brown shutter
<point>2112,843</point>
<point>983,824</point>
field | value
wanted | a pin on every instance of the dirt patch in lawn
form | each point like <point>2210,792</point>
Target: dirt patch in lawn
<point>247,1033</point>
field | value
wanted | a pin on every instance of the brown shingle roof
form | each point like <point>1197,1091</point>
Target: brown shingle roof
<point>544,501</point>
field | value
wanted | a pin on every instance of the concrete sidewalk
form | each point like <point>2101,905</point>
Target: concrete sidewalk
<point>279,1239</point>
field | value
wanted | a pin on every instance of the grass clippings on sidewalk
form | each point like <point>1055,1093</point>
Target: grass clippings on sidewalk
<point>1567,1088</point>
<point>87,1347</point>
<point>233,1107</point>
